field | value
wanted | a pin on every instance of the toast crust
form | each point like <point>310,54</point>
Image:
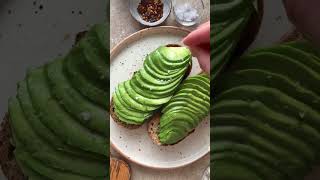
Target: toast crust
<point>8,163</point>
<point>153,127</point>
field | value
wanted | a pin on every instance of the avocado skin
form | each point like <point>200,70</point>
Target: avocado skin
<point>186,109</point>
<point>137,99</point>
<point>52,137</point>
<point>266,107</point>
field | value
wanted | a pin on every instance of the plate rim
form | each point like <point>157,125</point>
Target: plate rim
<point>115,51</point>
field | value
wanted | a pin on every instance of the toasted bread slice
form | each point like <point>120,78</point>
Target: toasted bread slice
<point>8,163</point>
<point>153,127</point>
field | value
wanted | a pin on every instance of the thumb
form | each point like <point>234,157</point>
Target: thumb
<point>203,57</point>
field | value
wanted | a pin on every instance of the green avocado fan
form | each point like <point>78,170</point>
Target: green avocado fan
<point>59,118</point>
<point>185,110</point>
<point>229,20</point>
<point>265,122</point>
<point>136,100</point>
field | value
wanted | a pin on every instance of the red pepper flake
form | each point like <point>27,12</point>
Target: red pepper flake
<point>150,10</point>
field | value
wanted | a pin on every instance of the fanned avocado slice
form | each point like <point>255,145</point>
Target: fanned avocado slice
<point>26,170</point>
<point>269,101</point>
<point>221,145</point>
<point>94,54</point>
<point>185,110</point>
<point>79,58</point>
<point>290,140</point>
<point>231,19</point>
<point>95,62</point>
<point>144,100</point>
<point>32,175</point>
<point>275,100</point>
<point>83,84</point>
<point>49,172</point>
<point>132,102</point>
<point>42,151</point>
<point>239,172</point>
<point>269,79</point>
<point>58,120</point>
<point>256,166</point>
<point>272,62</point>
<point>90,115</point>
<point>244,136</point>
<point>41,130</point>
<point>137,99</point>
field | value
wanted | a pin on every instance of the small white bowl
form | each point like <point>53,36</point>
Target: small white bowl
<point>133,5</point>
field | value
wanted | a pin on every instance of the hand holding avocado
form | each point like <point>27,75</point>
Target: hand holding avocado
<point>199,43</point>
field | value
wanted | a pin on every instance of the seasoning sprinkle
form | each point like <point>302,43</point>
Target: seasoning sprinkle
<point>150,10</point>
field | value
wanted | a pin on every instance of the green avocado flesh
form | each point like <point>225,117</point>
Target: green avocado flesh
<point>185,110</point>
<point>265,121</point>
<point>59,117</point>
<point>230,19</point>
<point>151,87</point>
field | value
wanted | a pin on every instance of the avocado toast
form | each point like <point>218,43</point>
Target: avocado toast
<point>265,115</point>
<point>234,26</point>
<point>57,125</point>
<point>136,100</point>
<point>182,114</point>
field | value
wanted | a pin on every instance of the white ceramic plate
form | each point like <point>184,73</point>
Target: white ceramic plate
<point>136,145</point>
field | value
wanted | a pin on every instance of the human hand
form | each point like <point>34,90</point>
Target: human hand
<point>199,44</point>
<point>305,15</point>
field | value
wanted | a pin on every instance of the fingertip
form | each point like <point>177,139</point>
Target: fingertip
<point>198,36</point>
<point>188,40</point>
<point>203,58</point>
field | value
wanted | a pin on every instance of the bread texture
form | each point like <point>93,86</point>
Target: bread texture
<point>8,163</point>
